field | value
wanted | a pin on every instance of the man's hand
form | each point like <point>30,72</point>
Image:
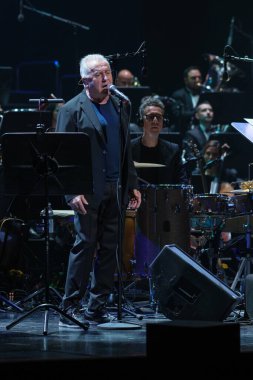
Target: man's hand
<point>135,200</point>
<point>78,204</point>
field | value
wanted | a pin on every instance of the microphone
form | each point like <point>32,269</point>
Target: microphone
<point>231,31</point>
<point>114,91</point>
<point>21,13</point>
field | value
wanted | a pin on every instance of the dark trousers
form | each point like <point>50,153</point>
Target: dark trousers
<point>94,251</point>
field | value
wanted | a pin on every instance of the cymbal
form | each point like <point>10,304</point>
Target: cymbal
<point>239,191</point>
<point>147,165</point>
<point>63,213</point>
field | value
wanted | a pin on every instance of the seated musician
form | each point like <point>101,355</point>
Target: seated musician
<point>151,148</point>
<point>221,178</point>
<point>163,216</point>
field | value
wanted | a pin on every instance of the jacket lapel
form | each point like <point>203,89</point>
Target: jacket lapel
<point>89,111</point>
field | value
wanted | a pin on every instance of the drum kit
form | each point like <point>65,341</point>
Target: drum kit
<point>174,214</point>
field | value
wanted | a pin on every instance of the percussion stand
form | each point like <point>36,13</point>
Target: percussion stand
<point>147,276</point>
<point>245,265</point>
<point>214,245</point>
<point>208,256</point>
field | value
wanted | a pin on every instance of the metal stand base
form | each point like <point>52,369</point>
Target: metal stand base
<point>11,304</point>
<point>243,271</point>
<point>47,307</point>
<point>53,292</point>
<point>119,325</point>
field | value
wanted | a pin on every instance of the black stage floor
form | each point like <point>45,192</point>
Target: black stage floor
<point>129,347</point>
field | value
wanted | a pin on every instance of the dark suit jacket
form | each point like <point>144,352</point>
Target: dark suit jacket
<point>171,157</point>
<point>195,135</point>
<point>78,115</point>
<point>182,112</point>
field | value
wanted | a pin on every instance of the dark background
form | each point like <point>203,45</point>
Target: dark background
<point>177,35</point>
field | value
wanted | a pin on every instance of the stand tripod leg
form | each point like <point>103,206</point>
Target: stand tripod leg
<point>55,291</point>
<point>239,274</point>
<point>47,307</point>
<point>38,292</point>
<point>152,301</point>
<point>8,302</point>
<point>30,296</point>
<point>45,327</point>
<point>133,313</point>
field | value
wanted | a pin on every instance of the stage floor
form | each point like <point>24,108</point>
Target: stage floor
<point>125,349</point>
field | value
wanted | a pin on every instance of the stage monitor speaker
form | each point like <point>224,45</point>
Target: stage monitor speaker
<point>184,289</point>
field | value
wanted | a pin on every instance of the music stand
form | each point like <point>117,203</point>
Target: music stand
<point>23,121</point>
<point>240,151</point>
<point>46,164</point>
<point>228,106</point>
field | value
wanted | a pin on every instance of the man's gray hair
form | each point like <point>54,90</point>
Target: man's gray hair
<point>88,61</point>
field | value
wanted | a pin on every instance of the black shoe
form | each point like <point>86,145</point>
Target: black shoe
<point>74,313</point>
<point>98,316</point>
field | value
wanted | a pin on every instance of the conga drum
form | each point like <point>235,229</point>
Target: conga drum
<point>163,218</point>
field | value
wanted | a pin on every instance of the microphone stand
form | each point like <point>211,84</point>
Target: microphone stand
<point>74,24</point>
<point>241,59</point>
<point>231,31</point>
<point>42,13</point>
<point>119,324</point>
<point>140,50</point>
<point>113,57</point>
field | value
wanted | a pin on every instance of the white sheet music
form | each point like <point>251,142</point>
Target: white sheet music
<point>245,129</point>
<point>249,121</point>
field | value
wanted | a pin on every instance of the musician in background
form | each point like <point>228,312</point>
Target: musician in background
<point>151,148</point>
<point>202,127</point>
<point>186,98</point>
<point>222,179</point>
<point>125,78</point>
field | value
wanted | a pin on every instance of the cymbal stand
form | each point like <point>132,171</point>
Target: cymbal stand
<point>245,265</point>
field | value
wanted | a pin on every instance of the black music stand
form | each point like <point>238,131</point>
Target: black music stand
<point>239,153</point>
<point>23,121</point>
<point>228,106</point>
<point>46,164</point>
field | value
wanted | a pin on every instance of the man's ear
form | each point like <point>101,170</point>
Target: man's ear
<point>85,81</point>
